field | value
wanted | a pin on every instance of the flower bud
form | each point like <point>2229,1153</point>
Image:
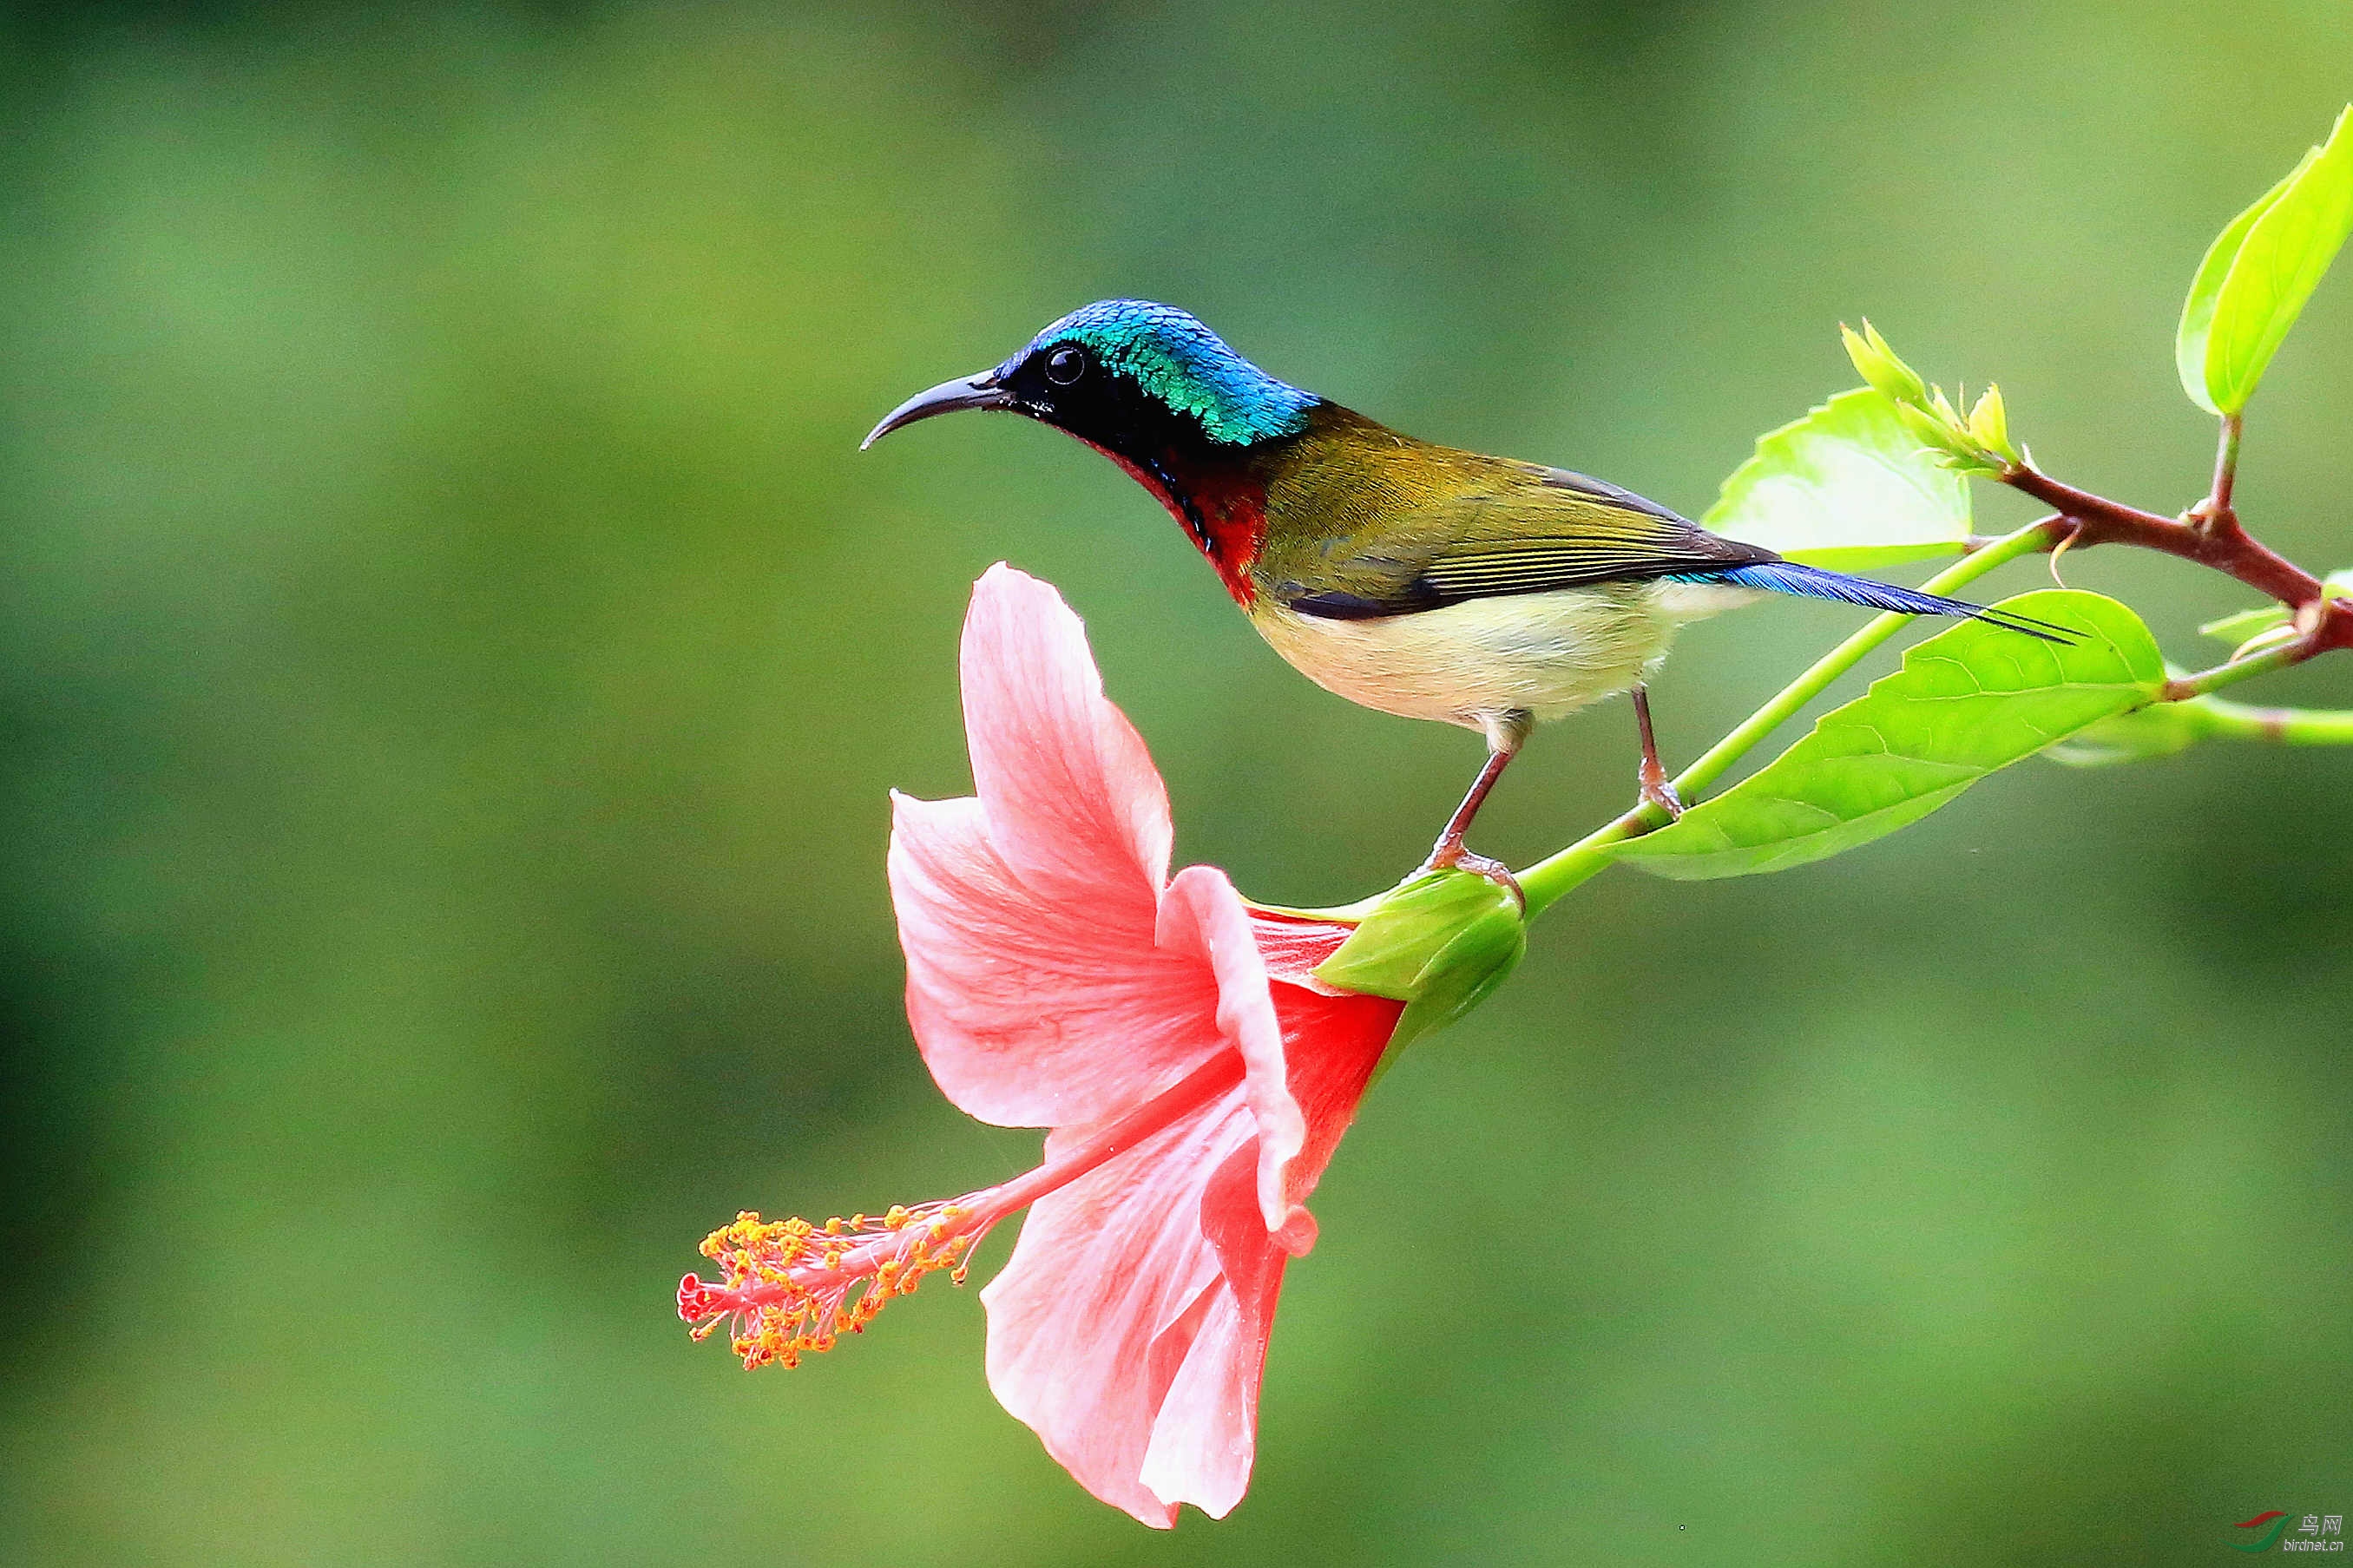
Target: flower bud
<point>1442,942</point>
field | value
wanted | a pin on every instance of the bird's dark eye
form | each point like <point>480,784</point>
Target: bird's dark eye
<point>1065,366</point>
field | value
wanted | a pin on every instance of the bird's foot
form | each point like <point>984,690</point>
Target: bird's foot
<point>1659,791</point>
<point>1651,774</point>
<point>1455,858</point>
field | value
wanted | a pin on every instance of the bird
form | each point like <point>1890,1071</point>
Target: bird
<point>1411,578</point>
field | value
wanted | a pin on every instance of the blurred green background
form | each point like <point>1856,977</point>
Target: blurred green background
<point>453,658</point>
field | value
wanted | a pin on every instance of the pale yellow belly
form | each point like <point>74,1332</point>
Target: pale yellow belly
<point>1469,664</point>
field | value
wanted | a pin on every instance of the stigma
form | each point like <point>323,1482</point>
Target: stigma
<point>789,1287</point>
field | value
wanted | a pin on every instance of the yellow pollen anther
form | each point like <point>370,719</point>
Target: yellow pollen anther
<point>788,1287</point>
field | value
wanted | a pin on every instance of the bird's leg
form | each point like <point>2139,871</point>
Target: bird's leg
<point>1656,789</point>
<point>1503,738</point>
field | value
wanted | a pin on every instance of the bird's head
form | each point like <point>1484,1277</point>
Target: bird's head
<point>1135,379</point>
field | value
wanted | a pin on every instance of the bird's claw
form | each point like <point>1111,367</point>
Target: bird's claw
<point>1455,858</point>
<point>1659,791</point>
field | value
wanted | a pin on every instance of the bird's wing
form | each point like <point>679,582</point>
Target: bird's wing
<point>1467,527</point>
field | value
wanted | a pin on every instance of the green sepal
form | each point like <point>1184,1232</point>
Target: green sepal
<point>1406,929</point>
<point>1441,942</point>
<point>1462,975</point>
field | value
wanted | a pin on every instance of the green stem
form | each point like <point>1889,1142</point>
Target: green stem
<point>2226,467</point>
<point>2287,726</point>
<point>2237,670</point>
<point>1548,879</point>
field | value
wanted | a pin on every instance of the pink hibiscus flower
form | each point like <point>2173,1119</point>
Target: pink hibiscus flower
<point>1194,1075</point>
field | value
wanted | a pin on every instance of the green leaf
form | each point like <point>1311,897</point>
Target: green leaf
<point>2158,729</point>
<point>1847,488</point>
<point>2238,627</point>
<point>2258,273</point>
<point>1967,701</point>
<point>2192,340</point>
<point>2244,623</point>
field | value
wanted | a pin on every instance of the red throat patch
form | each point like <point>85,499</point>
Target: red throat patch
<point>1221,511</point>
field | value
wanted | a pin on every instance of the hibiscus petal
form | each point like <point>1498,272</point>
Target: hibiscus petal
<point>1206,1434</point>
<point>1075,805</point>
<point>1129,1330</point>
<point>1035,1011</point>
<point>1092,1319</point>
<point>1201,913</point>
<point>1293,947</point>
<point>1332,1044</point>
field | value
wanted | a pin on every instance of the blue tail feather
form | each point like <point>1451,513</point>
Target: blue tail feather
<point>1815,583</point>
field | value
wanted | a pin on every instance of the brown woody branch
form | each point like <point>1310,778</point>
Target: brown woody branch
<point>2211,535</point>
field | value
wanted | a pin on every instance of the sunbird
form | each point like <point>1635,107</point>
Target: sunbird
<point>1412,578</point>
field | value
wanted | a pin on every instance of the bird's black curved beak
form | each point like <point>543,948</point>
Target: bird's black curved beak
<point>966,391</point>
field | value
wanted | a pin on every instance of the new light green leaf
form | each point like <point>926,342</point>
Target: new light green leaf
<point>2260,271</point>
<point>1847,488</point>
<point>1967,701</point>
<point>2238,627</point>
<point>2192,340</point>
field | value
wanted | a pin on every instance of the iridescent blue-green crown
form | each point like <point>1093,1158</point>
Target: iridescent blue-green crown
<point>1175,359</point>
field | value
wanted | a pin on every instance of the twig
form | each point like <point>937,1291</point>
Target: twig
<point>2210,536</point>
<point>2216,541</point>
